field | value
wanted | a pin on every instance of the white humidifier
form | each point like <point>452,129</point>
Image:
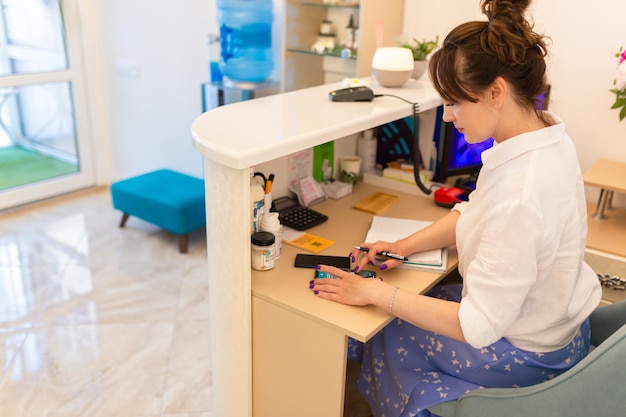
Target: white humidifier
<point>392,66</point>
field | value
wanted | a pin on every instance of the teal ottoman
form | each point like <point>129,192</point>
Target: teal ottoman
<point>168,199</point>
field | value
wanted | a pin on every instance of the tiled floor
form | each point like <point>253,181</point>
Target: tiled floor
<point>100,321</point>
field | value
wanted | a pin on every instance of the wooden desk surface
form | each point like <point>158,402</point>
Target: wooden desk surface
<point>610,175</point>
<point>607,235</point>
<point>288,287</point>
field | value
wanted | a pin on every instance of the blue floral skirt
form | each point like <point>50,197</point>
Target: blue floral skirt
<point>405,370</point>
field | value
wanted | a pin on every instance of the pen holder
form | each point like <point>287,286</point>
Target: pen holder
<point>350,168</point>
<point>268,202</point>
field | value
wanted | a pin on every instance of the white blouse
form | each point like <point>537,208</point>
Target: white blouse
<point>521,241</point>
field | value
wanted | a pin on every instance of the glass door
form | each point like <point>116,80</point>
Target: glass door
<point>44,149</point>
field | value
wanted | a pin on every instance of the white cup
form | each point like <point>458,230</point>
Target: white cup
<point>350,168</point>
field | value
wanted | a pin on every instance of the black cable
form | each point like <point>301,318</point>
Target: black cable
<point>262,175</point>
<point>416,141</point>
<point>416,150</point>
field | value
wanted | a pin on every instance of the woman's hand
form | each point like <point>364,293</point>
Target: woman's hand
<point>364,258</point>
<point>346,287</point>
<point>440,234</point>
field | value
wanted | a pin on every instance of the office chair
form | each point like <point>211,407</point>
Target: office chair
<point>596,386</point>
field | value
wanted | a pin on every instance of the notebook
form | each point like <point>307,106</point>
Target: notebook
<point>391,229</point>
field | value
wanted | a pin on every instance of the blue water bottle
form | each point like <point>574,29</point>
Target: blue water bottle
<point>246,39</point>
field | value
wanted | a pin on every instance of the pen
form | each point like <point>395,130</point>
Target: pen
<point>383,253</point>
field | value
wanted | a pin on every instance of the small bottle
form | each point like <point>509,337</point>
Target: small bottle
<point>351,33</point>
<point>262,251</point>
<point>257,197</point>
<point>271,224</point>
<point>366,149</point>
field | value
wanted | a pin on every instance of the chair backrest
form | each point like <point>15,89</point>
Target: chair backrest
<point>606,320</point>
<point>595,386</point>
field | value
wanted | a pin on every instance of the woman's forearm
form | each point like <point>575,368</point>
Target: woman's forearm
<point>433,314</point>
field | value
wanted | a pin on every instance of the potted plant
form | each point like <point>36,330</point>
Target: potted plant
<point>620,84</point>
<point>420,50</point>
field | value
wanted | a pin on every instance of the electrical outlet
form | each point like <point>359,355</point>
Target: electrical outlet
<point>127,67</point>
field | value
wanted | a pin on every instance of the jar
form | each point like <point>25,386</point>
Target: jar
<point>366,149</point>
<point>271,223</point>
<point>326,28</point>
<point>263,251</point>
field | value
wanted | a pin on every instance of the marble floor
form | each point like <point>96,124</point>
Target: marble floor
<point>100,321</point>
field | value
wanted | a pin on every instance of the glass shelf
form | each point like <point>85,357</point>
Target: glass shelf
<point>336,53</point>
<point>341,5</point>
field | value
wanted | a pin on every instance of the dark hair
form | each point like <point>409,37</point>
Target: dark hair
<point>475,53</point>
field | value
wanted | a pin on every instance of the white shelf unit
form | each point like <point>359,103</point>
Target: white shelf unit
<point>303,68</point>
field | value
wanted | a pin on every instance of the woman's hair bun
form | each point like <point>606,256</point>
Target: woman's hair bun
<point>505,9</point>
<point>475,53</point>
<point>509,35</point>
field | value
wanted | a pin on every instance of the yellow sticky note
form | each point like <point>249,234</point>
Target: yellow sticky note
<point>311,242</point>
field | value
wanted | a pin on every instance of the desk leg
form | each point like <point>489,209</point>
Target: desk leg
<point>609,201</point>
<point>298,367</point>
<point>602,202</point>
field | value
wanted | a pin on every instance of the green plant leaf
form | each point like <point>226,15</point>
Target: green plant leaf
<point>619,102</point>
<point>419,49</point>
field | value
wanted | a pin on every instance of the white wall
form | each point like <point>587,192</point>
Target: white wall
<point>147,125</point>
<point>585,36</point>
<point>142,123</point>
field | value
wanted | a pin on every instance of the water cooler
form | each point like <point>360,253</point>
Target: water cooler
<point>245,40</point>
<point>241,56</point>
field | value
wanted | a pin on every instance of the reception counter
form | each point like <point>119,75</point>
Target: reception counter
<point>233,138</point>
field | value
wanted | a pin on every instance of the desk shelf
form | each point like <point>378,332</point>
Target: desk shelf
<point>338,5</point>
<point>335,53</point>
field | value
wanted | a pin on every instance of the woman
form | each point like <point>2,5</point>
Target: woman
<point>522,315</point>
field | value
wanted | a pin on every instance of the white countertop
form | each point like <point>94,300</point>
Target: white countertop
<point>247,133</point>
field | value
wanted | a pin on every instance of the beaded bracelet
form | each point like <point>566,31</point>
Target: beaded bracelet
<point>393,297</point>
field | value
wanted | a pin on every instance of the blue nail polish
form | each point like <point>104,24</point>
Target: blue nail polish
<point>317,267</point>
<point>356,269</point>
<point>311,286</point>
<point>311,282</point>
<point>383,267</point>
<point>316,292</point>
